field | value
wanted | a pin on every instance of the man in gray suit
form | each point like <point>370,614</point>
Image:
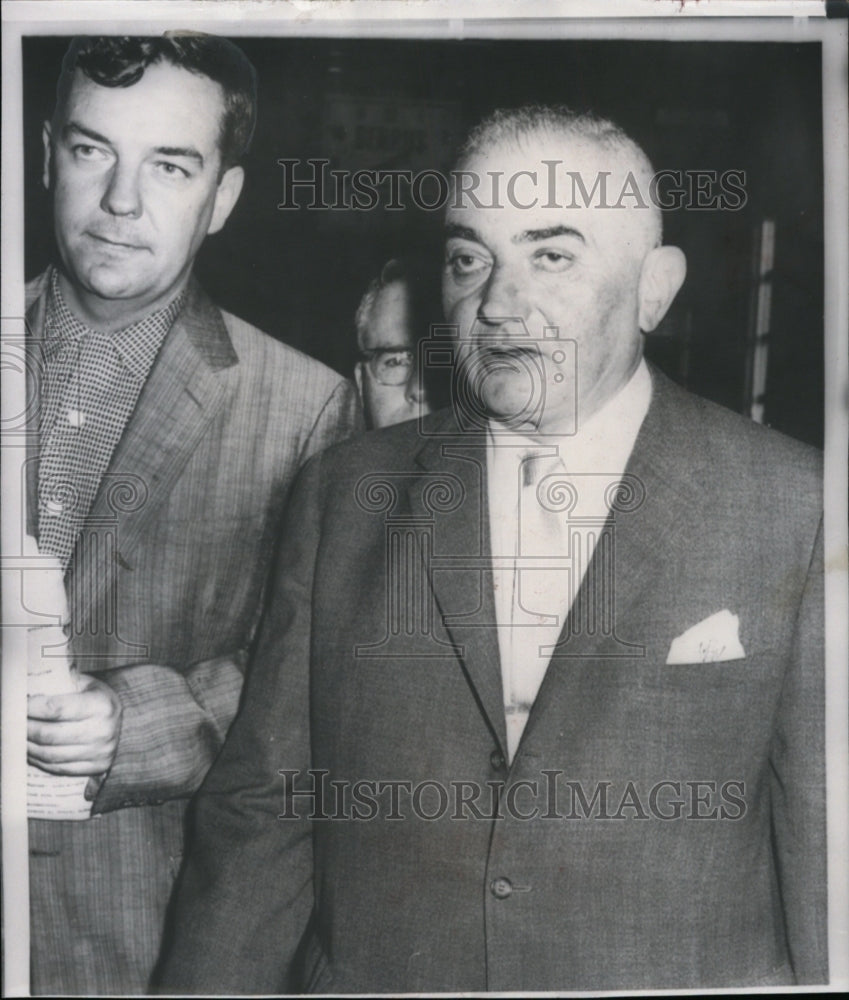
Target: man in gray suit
<point>165,439</point>
<point>538,703</point>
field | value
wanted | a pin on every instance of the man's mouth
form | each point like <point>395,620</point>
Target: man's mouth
<point>113,242</point>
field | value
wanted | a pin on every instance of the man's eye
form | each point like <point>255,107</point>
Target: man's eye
<point>552,260</point>
<point>171,169</point>
<point>83,151</point>
<point>465,264</point>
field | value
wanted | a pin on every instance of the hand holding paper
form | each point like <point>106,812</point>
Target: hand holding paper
<point>70,725</point>
<point>75,733</point>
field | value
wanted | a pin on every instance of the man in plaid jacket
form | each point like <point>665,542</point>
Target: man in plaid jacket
<point>166,434</point>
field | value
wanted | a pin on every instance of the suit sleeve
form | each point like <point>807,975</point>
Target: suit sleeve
<point>798,786</point>
<point>175,720</point>
<point>172,728</point>
<point>246,893</point>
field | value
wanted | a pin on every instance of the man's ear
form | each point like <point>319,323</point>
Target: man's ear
<point>229,189</point>
<point>358,378</point>
<point>662,274</point>
<point>45,138</point>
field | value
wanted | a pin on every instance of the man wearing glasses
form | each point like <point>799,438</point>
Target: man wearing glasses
<point>390,386</point>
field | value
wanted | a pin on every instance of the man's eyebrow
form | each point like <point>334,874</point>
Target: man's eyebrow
<point>462,232</point>
<point>186,151</point>
<point>89,133</point>
<point>535,235</point>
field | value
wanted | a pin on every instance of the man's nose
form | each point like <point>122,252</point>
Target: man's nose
<point>415,391</point>
<point>502,299</point>
<point>122,195</point>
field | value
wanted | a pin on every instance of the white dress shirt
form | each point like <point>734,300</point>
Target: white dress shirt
<point>548,501</point>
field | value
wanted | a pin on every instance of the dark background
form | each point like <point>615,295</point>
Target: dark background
<point>406,104</point>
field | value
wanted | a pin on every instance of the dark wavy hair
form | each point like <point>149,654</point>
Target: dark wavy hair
<point>114,61</point>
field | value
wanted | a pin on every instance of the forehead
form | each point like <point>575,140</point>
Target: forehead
<point>544,182</point>
<point>168,107</point>
<point>389,320</point>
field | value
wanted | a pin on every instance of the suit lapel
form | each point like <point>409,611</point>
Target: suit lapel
<point>460,569</point>
<point>642,533</point>
<point>186,388</point>
<point>645,538</point>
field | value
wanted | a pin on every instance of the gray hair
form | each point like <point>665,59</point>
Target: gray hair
<point>392,272</point>
<point>513,126</point>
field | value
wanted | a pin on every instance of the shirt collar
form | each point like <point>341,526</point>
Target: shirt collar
<point>136,345</point>
<point>605,441</point>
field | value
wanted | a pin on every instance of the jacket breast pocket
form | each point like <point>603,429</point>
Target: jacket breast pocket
<point>754,671</point>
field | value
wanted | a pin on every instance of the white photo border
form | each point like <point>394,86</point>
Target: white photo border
<point>671,20</point>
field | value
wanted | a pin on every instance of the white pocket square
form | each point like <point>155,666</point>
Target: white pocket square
<point>713,639</point>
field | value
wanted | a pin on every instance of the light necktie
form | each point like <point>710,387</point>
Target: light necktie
<point>540,579</point>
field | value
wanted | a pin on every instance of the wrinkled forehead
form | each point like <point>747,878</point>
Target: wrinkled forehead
<point>545,180</point>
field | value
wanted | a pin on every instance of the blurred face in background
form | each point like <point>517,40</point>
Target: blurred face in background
<point>387,377</point>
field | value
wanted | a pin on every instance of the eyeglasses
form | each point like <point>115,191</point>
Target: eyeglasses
<point>390,365</point>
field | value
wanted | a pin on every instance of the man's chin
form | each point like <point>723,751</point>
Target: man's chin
<point>111,283</point>
<point>102,294</point>
<point>512,406</point>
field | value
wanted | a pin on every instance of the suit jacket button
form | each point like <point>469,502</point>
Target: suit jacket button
<point>496,759</point>
<point>501,887</point>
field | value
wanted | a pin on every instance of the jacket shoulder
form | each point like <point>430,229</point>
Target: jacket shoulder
<point>278,361</point>
<point>715,444</point>
<point>390,449</point>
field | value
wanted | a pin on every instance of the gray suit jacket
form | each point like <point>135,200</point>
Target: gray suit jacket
<point>166,589</point>
<point>662,824</point>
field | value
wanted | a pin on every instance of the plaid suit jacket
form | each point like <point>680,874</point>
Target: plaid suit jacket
<point>166,587</point>
<point>696,857</point>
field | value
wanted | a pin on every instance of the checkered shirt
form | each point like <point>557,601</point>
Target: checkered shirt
<point>91,384</point>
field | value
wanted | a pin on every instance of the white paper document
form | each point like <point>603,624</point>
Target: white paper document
<point>50,671</point>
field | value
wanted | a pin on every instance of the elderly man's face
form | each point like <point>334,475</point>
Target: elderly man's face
<point>390,344</point>
<point>135,176</point>
<point>519,282</point>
